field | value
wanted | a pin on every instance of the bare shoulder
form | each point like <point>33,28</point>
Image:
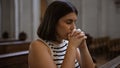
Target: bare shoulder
<point>39,55</point>
<point>37,42</point>
<point>38,45</point>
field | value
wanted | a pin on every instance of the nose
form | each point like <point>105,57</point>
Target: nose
<point>73,26</point>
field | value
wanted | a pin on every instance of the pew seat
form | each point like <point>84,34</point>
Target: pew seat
<point>15,46</point>
<point>14,60</point>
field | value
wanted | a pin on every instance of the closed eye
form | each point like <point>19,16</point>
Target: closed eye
<point>69,21</point>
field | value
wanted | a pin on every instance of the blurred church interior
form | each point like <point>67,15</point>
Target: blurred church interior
<point>99,19</point>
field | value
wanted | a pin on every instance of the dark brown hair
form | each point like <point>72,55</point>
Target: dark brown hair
<point>54,12</point>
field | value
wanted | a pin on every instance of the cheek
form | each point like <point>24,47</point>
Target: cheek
<point>62,32</point>
<point>63,29</point>
<point>65,33</point>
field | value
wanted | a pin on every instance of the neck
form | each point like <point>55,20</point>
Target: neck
<point>58,41</point>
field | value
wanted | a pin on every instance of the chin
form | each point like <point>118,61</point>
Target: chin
<point>65,37</point>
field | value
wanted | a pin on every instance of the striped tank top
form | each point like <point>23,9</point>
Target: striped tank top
<point>58,52</point>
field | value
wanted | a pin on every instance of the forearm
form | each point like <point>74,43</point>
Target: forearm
<point>86,59</point>
<point>70,56</point>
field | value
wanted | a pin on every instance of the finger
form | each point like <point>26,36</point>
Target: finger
<point>81,36</point>
<point>68,36</point>
<point>73,32</point>
<point>85,37</point>
<point>79,30</point>
<point>76,33</point>
<point>82,39</point>
<point>82,32</point>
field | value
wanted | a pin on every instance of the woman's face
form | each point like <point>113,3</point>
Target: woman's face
<point>66,24</point>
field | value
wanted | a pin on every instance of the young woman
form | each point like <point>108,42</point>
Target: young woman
<point>60,45</point>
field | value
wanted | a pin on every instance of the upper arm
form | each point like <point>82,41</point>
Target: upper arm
<point>39,56</point>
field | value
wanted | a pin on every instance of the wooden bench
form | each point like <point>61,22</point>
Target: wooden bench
<point>15,46</point>
<point>112,64</point>
<point>14,60</point>
<point>99,46</point>
<point>14,54</point>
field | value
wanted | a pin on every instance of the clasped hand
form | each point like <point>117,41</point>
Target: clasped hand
<point>76,38</point>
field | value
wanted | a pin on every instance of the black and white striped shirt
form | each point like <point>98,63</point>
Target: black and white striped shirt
<point>58,53</point>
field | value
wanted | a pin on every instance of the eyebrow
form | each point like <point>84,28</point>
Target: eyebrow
<point>72,20</point>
